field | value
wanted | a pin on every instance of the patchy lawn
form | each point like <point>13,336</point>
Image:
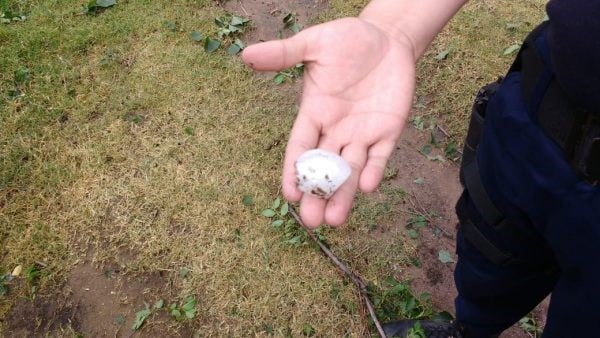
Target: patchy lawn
<point>134,167</point>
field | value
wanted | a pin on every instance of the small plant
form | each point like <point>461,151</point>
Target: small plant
<point>140,317</point>
<point>290,21</point>
<point>185,310</point>
<point>289,74</point>
<point>416,331</point>
<point>451,152</point>
<point>21,77</point>
<point>396,300</point>
<point>8,17</point>
<point>230,27</point>
<point>293,233</point>
<point>308,330</point>
<point>529,325</point>
<point>414,224</point>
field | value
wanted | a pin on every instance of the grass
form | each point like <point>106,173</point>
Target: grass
<point>128,138</point>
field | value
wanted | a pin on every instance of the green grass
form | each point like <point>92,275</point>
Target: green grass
<point>128,137</point>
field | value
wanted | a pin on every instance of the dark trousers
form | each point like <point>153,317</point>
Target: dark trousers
<point>527,177</point>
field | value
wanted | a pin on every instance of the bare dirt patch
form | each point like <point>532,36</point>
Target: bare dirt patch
<point>267,16</point>
<point>437,194</point>
<point>99,302</point>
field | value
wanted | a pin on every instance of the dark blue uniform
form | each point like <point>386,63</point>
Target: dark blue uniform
<point>551,213</point>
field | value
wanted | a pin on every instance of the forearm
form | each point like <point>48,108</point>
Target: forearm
<point>418,21</point>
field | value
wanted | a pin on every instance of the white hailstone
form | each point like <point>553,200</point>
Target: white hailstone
<point>321,173</point>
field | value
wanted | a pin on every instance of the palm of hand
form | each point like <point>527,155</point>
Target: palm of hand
<point>358,88</point>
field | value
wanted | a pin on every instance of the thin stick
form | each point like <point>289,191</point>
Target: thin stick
<point>362,287</point>
<point>243,9</point>
<point>442,130</point>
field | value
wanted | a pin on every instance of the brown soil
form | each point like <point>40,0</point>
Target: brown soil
<point>99,303</point>
<point>267,16</point>
<point>438,193</point>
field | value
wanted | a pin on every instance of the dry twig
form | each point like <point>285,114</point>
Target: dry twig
<point>362,287</point>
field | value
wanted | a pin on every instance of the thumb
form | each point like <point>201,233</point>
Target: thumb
<point>276,54</point>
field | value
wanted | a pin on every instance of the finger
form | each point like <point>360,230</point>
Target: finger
<point>330,143</point>
<point>304,136</point>
<point>276,54</point>
<point>339,205</point>
<point>372,174</point>
<point>312,210</point>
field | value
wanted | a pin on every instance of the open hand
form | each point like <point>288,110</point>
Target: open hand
<point>358,90</point>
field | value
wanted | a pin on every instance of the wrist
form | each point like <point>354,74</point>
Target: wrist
<point>415,22</point>
<point>394,32</point>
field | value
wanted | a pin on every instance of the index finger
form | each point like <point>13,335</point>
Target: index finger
<point>304,136</point>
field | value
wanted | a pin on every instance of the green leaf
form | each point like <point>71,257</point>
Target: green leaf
<point>445,257</point>
<point>176,313</point>
<point>308,330</point>
<point>296,240</point>
<point>233,49</point>
<point>268,213</point>
<point>220,22</point>
<point>512,49</point>
<point>196,36</point>
<point>105,3</point>
<point>426,150</point>
<point>280,78</point>
<point>442,55</point>
<point>284,209</point>
<point>295,27</point>
<point>190,314</point>
<point>276,203</point>
<point>189,131</point>
<point>189,308</point>
<point>277,223</point>
<point>190,304</point>
<point>159,304</point>
<point>211,45</point>
<point>238,21</point>
<point>171,25</point>
<point>415,262</point>
<point>419,122</point>
<point>451,152</point>
<point>289,18</point>
<point>412,233</point>
<point>140,317</point>
<point>439,158</point>
<point>239,43</point>
<point>419,180</point>
<point>183,272</point>
<point>417,222</point>
<point>247,200</point>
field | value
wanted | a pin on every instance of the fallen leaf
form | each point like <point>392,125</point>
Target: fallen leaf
<point>512,49</point>
<point>445,257</point>
<point>17,271</point>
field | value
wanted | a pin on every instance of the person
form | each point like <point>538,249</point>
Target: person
<point>529,217</point>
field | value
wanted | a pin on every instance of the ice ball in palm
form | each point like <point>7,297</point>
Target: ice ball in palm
<point>321,173</point>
